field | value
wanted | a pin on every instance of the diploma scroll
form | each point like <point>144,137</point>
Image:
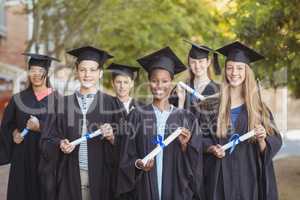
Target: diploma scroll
<point>159,148</point>
<point>86,137</point>
<point>240,139</point>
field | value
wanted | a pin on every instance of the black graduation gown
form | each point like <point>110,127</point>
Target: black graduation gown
<point>48,162</point>
<point>101,161</point>
<point>123,117</point>
<point>178,166</point>
<point>24,181</point>
<point>190,101</point>
<point>120,107</point>
<point>246,174</point>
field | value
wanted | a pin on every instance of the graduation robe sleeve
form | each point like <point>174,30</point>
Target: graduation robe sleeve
<point>49,151</point>
<point>206,113</point>
<point>8,125</point>
<point>48,161</point>
<point>274,143</point>
<point>207,141</point>
<point>127,171</point>
<point>195,158</point>
<point>48,141</point>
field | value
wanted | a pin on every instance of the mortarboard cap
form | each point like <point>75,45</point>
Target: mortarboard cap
<point>239,52</point>
<point>202,51</point>
<point>165,59</point>
<point>120,69</point>
<point>90,53</point>
<point>40,60</point>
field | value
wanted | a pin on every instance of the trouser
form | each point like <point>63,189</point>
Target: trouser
<point>85,187</point>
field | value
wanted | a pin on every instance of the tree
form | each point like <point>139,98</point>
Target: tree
<point>127,29</point>
<point>273,28</point>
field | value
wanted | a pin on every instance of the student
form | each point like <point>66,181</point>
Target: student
<point>168,175</point>
<point>27,109</point>
<point>247,172</point>
<point>123,78</point>
<point>85,172</point>
<point>200,77</point>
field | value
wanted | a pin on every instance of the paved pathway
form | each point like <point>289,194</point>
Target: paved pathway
<point>291,147</point>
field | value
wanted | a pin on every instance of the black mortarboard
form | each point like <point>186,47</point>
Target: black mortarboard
<point>202,51</point>
<point>119,69</point>
<point>40,60</point>
<point>198,51</point>
<point>239,52</point>
<point>164,58</point>
<point>90,53</point>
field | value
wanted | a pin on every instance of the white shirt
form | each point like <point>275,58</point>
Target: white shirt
<point>127,104</point>
<point>84,102</point>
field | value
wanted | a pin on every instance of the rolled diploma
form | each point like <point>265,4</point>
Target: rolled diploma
<point>158,149</point>
<point>242,138</point>
<point>84,138</point>
<point>24,132</point>
<point>191,90</point>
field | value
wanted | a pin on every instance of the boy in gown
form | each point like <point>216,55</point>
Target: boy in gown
<point>86,171</point>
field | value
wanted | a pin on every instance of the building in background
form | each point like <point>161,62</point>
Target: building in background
<point>14,35</point>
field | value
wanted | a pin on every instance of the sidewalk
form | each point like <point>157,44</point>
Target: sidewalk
<point>291,147</point>
<point>4,170</point>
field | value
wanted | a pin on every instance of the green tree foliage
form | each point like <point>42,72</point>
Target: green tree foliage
<point>272,27</point>
<point>127,28</point>
<point>130,29</point>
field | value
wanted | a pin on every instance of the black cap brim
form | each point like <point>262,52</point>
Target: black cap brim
<point>201,51</point>
<point>130,71</point>
<point>239,52</point>
<point>40,60</point>
<point>200,48</point>
<point>164,58</point>
<point>90,53</point>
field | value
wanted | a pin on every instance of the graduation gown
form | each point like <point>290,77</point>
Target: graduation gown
<point>24,180</point>
<point>101,161</point>
<point>120,107</point>
<point>246,174</point>
<point>123,117</point>
<point>190,101</point>
<point>48,162</point>
<point>178,166</point>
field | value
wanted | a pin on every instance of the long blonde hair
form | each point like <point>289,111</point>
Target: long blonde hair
<point>258,113</point>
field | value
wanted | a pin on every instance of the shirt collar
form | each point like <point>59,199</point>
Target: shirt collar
<point>157,110</point>
<point>90,95</point>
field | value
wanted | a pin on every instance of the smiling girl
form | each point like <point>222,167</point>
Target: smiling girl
<point>200,77</point>
<point>168,176</point>
<point>245,172</point>
<point>27,110</point>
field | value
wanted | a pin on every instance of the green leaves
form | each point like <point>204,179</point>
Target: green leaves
<point>128,29</point>
<point>132,28</point>
<point>271,27</point>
